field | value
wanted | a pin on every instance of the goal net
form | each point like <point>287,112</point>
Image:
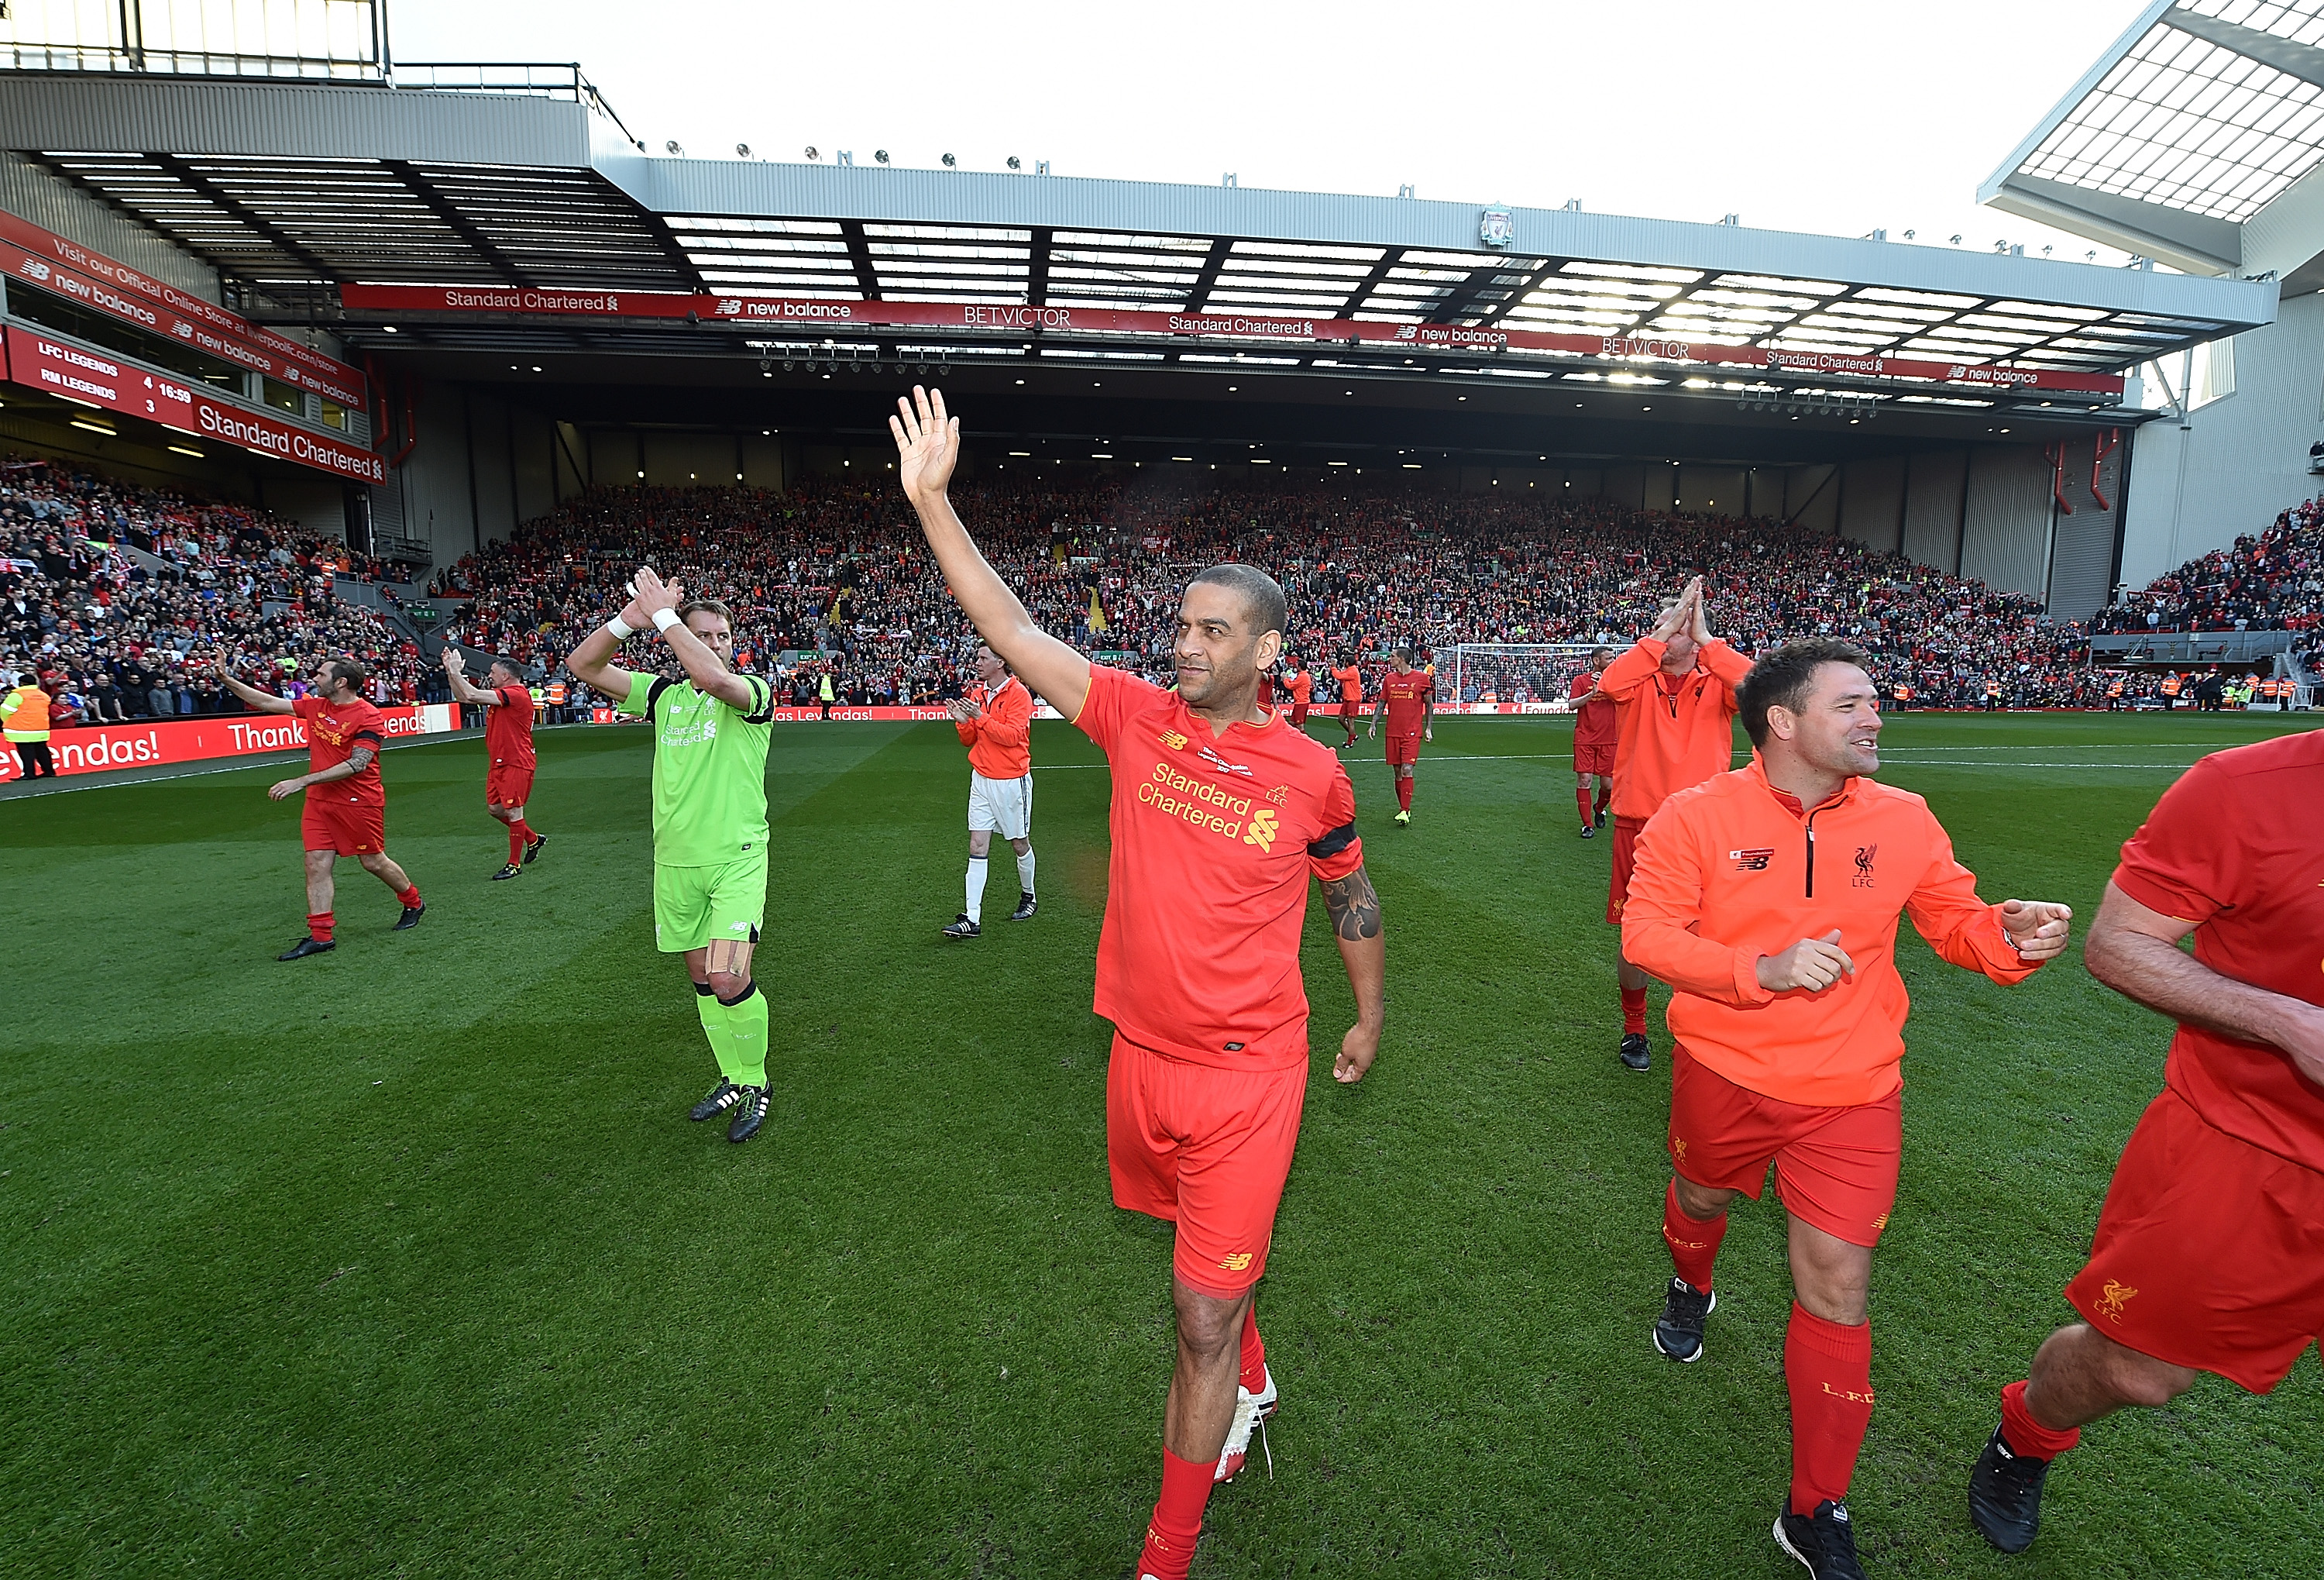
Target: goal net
<point>1534,674</point>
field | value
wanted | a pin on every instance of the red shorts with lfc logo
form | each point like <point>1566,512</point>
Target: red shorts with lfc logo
<point>1402,749</point>
<point>507,787</point>
<point>1836,1167</point>
<point>349,827</point>
<point>1299,715</point>
<point>1205,1149</point>
<point>2210,1252</point>
<point>1626,857</point>
<point>1594,760</point>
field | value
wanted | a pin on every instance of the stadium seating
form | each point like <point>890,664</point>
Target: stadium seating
<point>2272,582</point>
<point>107,587</point>
<point>836,566</point>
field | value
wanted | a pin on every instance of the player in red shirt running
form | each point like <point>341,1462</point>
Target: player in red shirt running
<point>508,743</point>
<point>1409,697</point>
<point>2209,1251</point>
<point>1352,698</point>
<point>347,804</point>
<point>1221,810</point>
<point>1596,727</point>
<point>1301,686</point>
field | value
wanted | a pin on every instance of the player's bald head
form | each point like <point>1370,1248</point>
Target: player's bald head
<point>1264,605</point>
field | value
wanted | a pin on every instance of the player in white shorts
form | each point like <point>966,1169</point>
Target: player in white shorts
<point>995,721</point>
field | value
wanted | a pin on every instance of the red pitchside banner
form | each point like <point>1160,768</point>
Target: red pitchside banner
<point>334,378</point>
<point>64,368</point>
<point>817,316</point>
<point>156,741</point>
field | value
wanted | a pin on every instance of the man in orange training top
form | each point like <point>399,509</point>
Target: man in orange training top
<point>1352,698</point>
<point>1597,729</point>
<point>1768,899</point>
<point>1675,691</point>
<point>995,723</point>
<point>1409,697</point>
<point>1301,686</point>
<point>2209,1251</point>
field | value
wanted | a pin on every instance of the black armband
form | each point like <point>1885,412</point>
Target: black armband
<point>1333,843</point>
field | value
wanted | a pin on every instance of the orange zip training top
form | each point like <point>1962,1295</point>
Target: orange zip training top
<point>999,740</point>
<point>1734,869</point>
<point>1673,734</point>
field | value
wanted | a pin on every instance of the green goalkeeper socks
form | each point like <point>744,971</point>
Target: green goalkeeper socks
<point>744,1060</point>
<point>714,1026</point>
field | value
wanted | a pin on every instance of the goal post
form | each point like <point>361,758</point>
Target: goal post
<point>1498,674</point>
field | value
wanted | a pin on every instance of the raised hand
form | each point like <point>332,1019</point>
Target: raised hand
<point>454,664</point>
<point>652,596</point>
<point>1701,626</point>
<point>2039,927</point>
<point>1811,965</point>
<point>927,444</point>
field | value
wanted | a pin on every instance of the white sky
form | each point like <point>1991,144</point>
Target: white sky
<point>1797,114</point>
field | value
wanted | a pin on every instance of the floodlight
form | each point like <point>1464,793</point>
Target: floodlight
<point>950,163</point>
<point>1957,239</point>
<point>742,151</point>
<point>881,154</point>
<point>812,152</point>
<point>2092,256</point>
<point>1911,234</point>
<point>1016,164</point>
<point>672,147</point>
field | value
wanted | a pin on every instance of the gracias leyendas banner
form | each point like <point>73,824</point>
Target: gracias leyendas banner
<point>815,315</point>
<point>155,741</point>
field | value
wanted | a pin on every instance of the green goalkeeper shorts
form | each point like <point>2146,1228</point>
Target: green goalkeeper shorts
<point>695,905</point>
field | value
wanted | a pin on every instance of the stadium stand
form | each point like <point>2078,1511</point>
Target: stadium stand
<point>2271,582</point>
<point>108,587</point>
<point>824,576</point>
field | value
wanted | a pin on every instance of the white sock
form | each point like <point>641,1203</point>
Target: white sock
<point>1025,873</point>
<point>975,906</point>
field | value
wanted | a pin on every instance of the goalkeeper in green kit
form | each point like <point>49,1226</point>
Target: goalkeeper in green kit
<point>711,732</point>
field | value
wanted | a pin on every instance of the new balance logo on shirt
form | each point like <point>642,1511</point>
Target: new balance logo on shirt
<point>1751,860</point>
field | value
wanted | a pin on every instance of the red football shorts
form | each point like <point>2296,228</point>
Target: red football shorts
<point>507,787</point>
<point>1351,709</point>
<point>1402,749</point>
<point>349,828</point>
<point>1594,760</point>
<point>1626,857</point>
<point>1207,1149</point>
<point>1299,715</point>
<point>1836,1167</point>
<point>2210,1252</point>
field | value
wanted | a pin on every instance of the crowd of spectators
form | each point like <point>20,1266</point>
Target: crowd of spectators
<point>115,595</point>
<point>831,578</point>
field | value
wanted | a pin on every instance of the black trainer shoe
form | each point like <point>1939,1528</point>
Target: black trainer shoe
<point>1635,1054</point>
<point>1026,908</point>
<point>1602,817</point>
<point>532,848</point>
<point>1824,1540</point>
<point>750,1113</point>
<point>722,1097</point>
<point>409,919</point>
<point>306,946</point>
<point>509,871</point>
<point>1678,1331</point>
<point>1588,832</point>
<point>962,928</point>
<point>2005,1495</point>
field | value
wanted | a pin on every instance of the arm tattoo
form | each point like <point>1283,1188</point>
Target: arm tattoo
<point>1353,907</point>
<point>359,759</point>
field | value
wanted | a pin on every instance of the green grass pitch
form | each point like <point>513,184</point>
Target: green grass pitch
<point>405,1260</point>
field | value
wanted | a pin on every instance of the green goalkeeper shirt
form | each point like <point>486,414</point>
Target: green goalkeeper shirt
<point>709,773</point>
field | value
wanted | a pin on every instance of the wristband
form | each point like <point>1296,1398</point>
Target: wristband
<point>619,630</point>
<point>665,618</point>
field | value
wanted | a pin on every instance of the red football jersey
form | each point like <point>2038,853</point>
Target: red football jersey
<point>1214,839</point>
<point>333,731</point>
<point>1407,698</point>
<point>2233,848</point>
<point>1597,722</point>
<point>508,728</point>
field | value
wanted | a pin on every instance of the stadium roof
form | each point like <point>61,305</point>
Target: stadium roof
<point>2194,140</point>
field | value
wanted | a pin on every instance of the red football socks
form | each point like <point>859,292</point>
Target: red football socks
<point>409,899</point>
<point>1828,1369</point>
<point>1404,794</point>
<point>1605,795</point>
<point>1177,1518</point>
<point>1581,800</point>
<point>319,926</point>
<point>2027,1435</point>
<point>1634,1012</point>
<point>1254,1376</point>
<point>516,843</point>
<point>1693,1242</point>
